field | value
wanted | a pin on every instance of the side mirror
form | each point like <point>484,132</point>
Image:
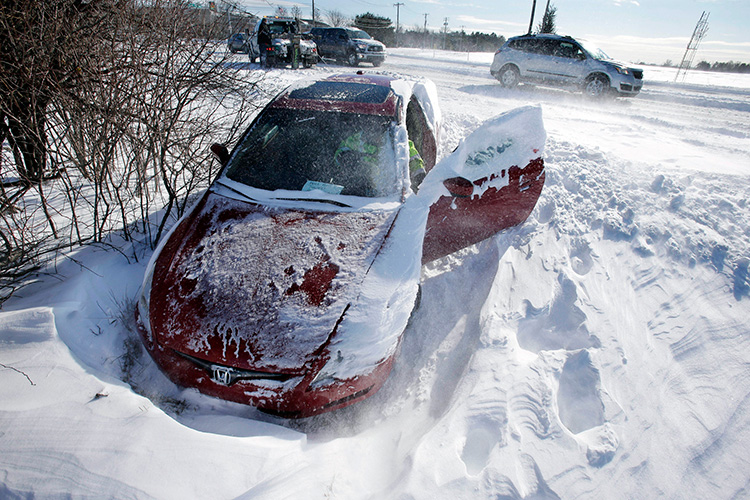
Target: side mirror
<point>459,187</point>
<point>221,152</point>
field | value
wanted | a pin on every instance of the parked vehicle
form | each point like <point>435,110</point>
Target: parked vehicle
<point>285,45</point>
<point>289,284</point>
<point>237,43</point>
<point>562,61</point>
<point>349,45</point>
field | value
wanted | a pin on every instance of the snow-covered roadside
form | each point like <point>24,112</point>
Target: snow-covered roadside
<point>598,351</point>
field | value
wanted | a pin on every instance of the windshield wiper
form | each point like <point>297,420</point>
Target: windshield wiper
<point>238,192</point>
<point>332,202</point>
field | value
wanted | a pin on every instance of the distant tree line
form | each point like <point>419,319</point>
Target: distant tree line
<point>724,67</point>
<point>453,40</point>
<point>382,28</point>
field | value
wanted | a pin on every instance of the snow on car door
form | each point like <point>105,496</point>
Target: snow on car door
<point>491,182</point>
<point>539,64</point>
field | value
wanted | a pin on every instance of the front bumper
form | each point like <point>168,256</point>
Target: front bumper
<point>627,84</point>
<point>290,394</point>
<point>630,89</point>
<point>371,57</point>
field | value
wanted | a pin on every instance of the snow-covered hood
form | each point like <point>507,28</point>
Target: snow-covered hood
<point>368,42</point>
<point>262,288</point>
<point>613,63</point>
<point>306,46</point>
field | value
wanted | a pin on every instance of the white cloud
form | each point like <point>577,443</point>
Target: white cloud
<point>472,22</point>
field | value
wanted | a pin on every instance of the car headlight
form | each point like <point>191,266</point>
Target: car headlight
<point>622,71</point>
<point>327,374</point>
<point>362,47</point>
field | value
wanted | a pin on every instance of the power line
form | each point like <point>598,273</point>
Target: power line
<point>698,33</point>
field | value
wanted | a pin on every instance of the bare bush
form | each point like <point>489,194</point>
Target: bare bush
<point>337,19</point>
<point>126,130</point>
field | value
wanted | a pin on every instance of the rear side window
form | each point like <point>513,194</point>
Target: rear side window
<point>525,45</point>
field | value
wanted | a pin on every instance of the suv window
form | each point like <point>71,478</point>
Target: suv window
<point>526,45</point>
<point>548,47</point>
<point>355,33</point>
<point>569,50</point>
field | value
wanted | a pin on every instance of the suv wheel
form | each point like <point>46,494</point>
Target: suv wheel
<point>596,86</point>
<point>352,59</point>
<point>508,76</point>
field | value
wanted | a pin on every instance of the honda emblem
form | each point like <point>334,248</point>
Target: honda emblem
<point>221,375</point>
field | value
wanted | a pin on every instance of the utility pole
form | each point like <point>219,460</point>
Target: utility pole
<point>398,10</point>
<point>313,12</point>
<point>424,36</point>
<point>445,31</point>
<point>531,22</point>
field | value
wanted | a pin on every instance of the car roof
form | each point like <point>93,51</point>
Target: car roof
<point>550,36</point>
<point>278,18</point>
<point>356,93</point>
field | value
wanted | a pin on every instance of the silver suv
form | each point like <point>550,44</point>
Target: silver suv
<point>563,62</point>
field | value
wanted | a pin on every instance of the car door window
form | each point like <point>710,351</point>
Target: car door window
<point>548,48</point>
<point>568,50</point>
<point>532,46</point>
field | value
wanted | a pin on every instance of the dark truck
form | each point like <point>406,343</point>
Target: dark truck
<point>351,45</point>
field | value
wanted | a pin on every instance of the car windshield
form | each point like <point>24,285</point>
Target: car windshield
<point>358,34</point>
<point>304,150</point>
<point>277,28</point>
<point>595,51</point>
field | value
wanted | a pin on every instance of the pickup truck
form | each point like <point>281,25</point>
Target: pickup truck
<point>284,40</point>
<point>351,45</point>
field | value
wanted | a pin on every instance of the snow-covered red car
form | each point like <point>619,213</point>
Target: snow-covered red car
<point>289,284</point>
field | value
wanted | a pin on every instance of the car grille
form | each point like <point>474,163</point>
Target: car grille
<point>638,74</point>
<point>375,48</point>
<point>228,375</point>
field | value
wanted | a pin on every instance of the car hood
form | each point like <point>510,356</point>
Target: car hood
<point>368,42</point>
<point>614,62</point>
<point>261,288</point>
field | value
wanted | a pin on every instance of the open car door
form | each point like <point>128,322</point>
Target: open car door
<point>491,182</point>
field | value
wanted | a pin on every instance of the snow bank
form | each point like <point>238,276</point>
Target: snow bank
<point>600,350</point>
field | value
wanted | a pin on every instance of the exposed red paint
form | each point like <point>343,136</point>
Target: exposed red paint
<point>316,282</point>
<point>456,222</point>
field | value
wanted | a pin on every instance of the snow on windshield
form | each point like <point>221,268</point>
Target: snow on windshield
<point>301,150</point>
<point>595,51</point>
<point>359,34</point>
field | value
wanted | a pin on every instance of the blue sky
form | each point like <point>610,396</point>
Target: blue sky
<point>651,31</point>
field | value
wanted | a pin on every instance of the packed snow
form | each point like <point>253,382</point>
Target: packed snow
<point>600,350</point>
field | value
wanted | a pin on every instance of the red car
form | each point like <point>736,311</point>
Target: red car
<point>289,284</point>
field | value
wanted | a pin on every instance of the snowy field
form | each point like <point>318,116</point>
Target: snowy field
<point>599,351</point>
